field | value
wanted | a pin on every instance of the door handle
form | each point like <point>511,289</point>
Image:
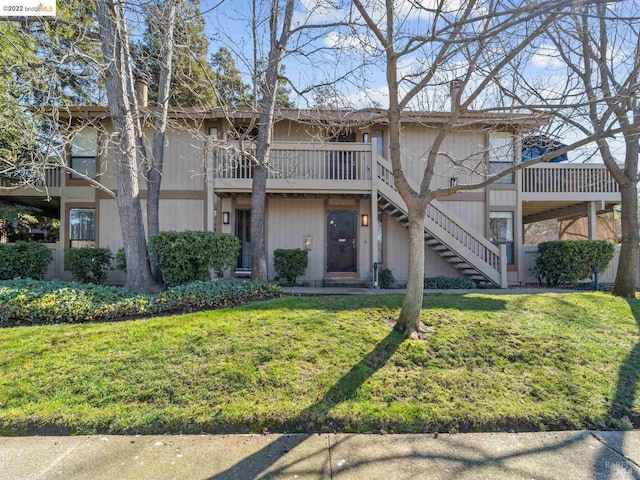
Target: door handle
<point>353,244</point>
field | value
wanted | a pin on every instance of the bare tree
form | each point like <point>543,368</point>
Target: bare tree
<point>486,38</point>
<point>154,164</point>
<point>599,47</point>
<point>125,117</point>
<point>278,39</point>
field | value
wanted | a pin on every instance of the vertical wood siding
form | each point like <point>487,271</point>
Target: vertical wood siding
<point>288,221</point>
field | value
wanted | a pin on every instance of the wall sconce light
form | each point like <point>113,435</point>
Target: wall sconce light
<point>225,218</point>
<point>365,220</point>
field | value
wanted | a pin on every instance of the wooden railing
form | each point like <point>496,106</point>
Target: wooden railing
<point>450,224</point>
<point>51,178</point>
<point>568,178</point>
<point>299,161</point>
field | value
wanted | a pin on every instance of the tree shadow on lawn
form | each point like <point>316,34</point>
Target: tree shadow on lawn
<point>343,390</point>
<point>621,407</point>
<point>315,415</point>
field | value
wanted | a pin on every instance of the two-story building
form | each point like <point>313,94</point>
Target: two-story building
<point>330,190</point>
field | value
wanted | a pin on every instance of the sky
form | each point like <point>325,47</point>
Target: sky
<point>338,52</point>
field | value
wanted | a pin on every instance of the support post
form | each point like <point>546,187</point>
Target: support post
<point>504,280</point>
<point>592,220</point>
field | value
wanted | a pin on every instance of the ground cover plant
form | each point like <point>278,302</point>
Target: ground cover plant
<point>28,302</point>
<point>332,364</point>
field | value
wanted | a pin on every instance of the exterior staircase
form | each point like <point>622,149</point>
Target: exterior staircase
<point>464,248</point>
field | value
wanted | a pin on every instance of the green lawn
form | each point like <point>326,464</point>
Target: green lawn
<point>331,364</point>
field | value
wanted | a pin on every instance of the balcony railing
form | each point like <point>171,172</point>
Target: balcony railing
<point>50,178</point>
<point>568,178</point>
<point>299,161</point>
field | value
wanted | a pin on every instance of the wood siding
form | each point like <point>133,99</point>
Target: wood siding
<point>288,221</point>
<point>464,146</point>
<point>174,215</point>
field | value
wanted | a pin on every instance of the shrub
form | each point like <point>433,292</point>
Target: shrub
<point>187,256</point>
<point>569,261</point>
<point>121,260</point>
<point>88,265</point>
<point>440,283</point>
<point>46,302</point>
<point>24,260</point>
<point>290,264</point>
<point>385,278</point>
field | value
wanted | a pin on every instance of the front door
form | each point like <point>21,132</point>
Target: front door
<point>243,232</point>
<point>342,242</point>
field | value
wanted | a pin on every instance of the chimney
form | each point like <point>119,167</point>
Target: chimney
<point>142,91</point>
<point>454,91</point>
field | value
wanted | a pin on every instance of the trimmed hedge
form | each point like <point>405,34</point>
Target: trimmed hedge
<point>569,261</point>
<point>24,260</point>
<point>187,256</point>
<point>290,264</point>
<point>441,283</point>
<point>30,302</point>
<point>88,265</point>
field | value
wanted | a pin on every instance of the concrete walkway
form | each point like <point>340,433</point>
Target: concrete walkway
<point>554,455</point>
<point>317,291</point>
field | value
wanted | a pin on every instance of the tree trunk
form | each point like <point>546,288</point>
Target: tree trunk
<point>110,21</point>
<point>263,143</point>
<point>625,283</point>
<point>409,322</point>
<point>155,164</point>
<point>258,217</point>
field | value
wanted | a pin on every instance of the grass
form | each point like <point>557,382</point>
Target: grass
<point>331,364</point>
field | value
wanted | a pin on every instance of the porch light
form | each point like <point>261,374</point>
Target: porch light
<point>365,220</point>
<point>225,218</point>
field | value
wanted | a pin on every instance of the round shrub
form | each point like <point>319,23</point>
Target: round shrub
<point>569,261</point>
<point>187,256</point>
<point>290,264</point>
<point>24,260</point>
<point>88,265</point>
<point>385,278</point>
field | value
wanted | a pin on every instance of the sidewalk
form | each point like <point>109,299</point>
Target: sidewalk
<point>552,455</point>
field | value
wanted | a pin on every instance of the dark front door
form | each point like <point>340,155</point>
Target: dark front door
<point>243,232</point>
<point>342,246</point>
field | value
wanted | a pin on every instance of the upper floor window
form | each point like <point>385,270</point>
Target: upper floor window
<point>84,152</point>
<point>501,155</point>
<point>379,136</point>
<point>82,231</point>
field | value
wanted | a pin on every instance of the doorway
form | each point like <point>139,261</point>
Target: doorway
<point>342,242</point>
<point>243,232</point>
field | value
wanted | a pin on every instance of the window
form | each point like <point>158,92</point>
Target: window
<point>501,155</point>
<point>84,147</point>
<point>501,231</point>
<point>82,231</point>
<point>365,138</point>
<point>379,136</point>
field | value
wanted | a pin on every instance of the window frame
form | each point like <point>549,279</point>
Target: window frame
<point>498,162</point>
<point>511,246</point>
<point>74,242</point>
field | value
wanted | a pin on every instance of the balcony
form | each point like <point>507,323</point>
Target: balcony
<point>560,182</point>
<point>33,183</point>
<point>317,167</point>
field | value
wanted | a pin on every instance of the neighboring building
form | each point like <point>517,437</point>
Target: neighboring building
<point>331,191</point>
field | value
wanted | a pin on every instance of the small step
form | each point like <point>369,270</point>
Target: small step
<point>345,283</point>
